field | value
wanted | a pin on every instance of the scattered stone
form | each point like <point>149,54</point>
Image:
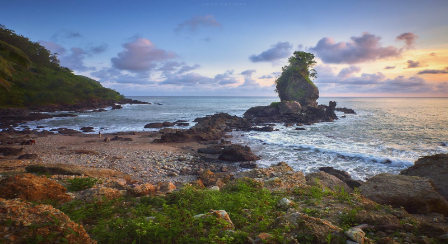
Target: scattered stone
<point>10,151</point>
<point>143,190</point>
<point>166,187</point>
<point>285,203</point>
<point>248,165</point>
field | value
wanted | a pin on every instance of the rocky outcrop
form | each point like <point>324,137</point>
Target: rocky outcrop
<point>236,153</point>
<point>291,112</point>
<point>433,167</point>
<point>311,229</point>
<point>101,194</point>
<point>298,88</point>
<point>207,128</point>
<point>70,169</point>
<point>415,194</point>
<point>33,188</point>
<point>24,222</point>
<point>325,180</point>
<point>342,175</point>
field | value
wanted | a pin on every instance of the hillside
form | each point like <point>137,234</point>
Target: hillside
<point>45,83</point>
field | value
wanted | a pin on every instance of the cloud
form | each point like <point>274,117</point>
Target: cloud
<point>434,71</point>
<point>266,77</point>
<point>433,54</point>
<point>390,67</point>
<point>190,79</point>
<point>346,72</point>
<point>415,64</point>
<point>225,78</point>
<point>140,55</point>
<point>248,73</point>
<point>187,68</point>
<point>193,24</point>
<point>276,52</point>
<point>97,49</point>
<point>207,39</point>
<point>365,48</point>
<point>65,34</point>
<point>75,60</point>
<point>72,34</point>
<point>53,47</point>
<point>408,38</point>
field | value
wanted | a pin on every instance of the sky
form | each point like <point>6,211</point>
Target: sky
<point>363,48</point>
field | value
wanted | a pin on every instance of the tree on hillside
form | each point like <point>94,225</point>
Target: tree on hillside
<point>10,56</point>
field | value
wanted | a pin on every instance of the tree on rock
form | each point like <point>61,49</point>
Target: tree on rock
<point>295,83</point>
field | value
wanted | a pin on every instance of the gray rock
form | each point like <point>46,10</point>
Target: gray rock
<point>433,167</point>
<point>289,107</point>
<point>326,180</point>
<point>355,234</point>
<point>415,194</point>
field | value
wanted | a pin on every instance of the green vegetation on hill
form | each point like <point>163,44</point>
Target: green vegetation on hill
<point>45,82</point>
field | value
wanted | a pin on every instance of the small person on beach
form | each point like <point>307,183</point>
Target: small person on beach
<point>99,133</point>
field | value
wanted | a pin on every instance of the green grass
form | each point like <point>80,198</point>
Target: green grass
<point>79,184</point>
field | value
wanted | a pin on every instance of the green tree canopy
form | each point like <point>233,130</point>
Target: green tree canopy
<point>10,56</point>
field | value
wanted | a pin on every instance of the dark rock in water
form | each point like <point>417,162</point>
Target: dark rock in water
<point>168,124</point>
<point>433,167</point>
<point>182,124</point>
<point>265,128</point>
<point>65,131</point>
<point>210,150</point>
<point>87,129</point>
<point>342,175</point>
<point>64,115</point>
<point>248,165</point>
<point>154,125</point>
<point>207,128</point>
<point>300,128</point>
<point>117,107</point>
<point>346,110</point>
<point>235,153</point>
<point>28,156</point>
<point>443,144</point>
<point>416,194</point>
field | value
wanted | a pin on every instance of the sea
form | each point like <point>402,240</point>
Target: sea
<point>386,135</point>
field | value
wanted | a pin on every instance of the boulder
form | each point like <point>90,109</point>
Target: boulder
<point>165,187</point>
<point>342,175</point>
<point>289,107</point>
<point>308,229</point>
<point>210,150</point>
<point>235,153</point>
<point>415,194</point>
<point>433,167</point>
<point>24,222</point>
<point>168,124</point>
<point>208,178</point>
<point>323,179</point>
<point>33,188</point>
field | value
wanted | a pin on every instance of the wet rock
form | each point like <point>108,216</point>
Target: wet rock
<point>117,107</point>
<point>154,125</point>
<point>264,129</point>
<point>21,222</point>
<point>168,124</point>
<point>415,194</point>
<point>183,124</point>
<point>433,167</point>
<point>346,110</point>
<point>323,179</point>
<point>248,165</point>
<point>65,131</point>
<point>210,150</point>
<point>87,129</point>
<point>33,188</point>
<point>235,153</point>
